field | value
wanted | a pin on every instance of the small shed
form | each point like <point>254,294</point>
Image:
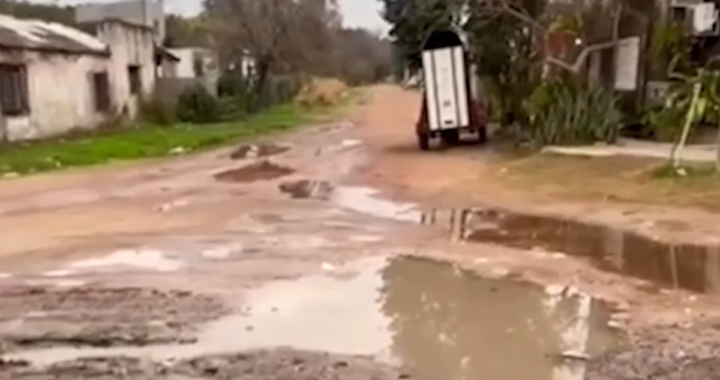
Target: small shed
<point>53,78</point>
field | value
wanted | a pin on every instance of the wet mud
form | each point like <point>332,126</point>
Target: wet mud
<point>689,266</point>
<point>250,151</point>
<point>677,352</point>
<point>258,171</point>
<point>307,189</point>
<point>33,317</point>
<point>459,325</point>
<point>277,364</point>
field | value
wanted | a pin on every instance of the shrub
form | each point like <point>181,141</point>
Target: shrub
<point>567,113</point>
<point>154,111</point>
<point>197,105</point>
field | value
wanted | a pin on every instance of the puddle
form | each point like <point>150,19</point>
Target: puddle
<point>258,150</point>
<point>259,171</point>
<point>149,259</point>
<point>690,266</point>
<point>359,199</point>
<point>458,326</point>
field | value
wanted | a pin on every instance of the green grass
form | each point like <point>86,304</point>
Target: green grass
<point>145,141</point>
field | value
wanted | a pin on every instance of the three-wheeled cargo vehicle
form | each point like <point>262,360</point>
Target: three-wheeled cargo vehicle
<point>448,105</point>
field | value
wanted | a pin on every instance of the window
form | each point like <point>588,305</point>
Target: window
<point>134,79</point>
<point>101,90</point>
<point>13,90</point>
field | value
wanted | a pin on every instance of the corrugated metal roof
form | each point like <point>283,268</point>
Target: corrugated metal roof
<point>48,36</point>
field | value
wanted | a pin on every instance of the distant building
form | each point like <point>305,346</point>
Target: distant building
<point>149,13</point>
<point>54,78</point>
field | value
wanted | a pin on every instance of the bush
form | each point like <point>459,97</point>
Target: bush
<point>153,111</point>
<point>197,105</point>
<point>567,113</point>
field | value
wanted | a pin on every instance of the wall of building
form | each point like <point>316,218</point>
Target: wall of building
<point>60,94</point>
<point>148,13</point>
<point>129,45</point>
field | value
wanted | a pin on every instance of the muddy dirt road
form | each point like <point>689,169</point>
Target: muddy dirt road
<point>342,252</point>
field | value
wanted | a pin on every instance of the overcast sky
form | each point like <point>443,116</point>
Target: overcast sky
<point>356,13</point>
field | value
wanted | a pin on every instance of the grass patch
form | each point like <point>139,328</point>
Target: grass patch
<point>144,141</point>
<point>618,178</point>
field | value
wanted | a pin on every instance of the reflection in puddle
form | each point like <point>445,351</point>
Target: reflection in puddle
<point>690,266</point>
<point>457,326</point>
<point>359,199</point>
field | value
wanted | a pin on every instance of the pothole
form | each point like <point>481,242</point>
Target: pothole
<point>458,325</point>
<point>38,317</point>
<point>258,171</point>
<point>690,266</point>
<point>307,189</point>
<point>257,151</point>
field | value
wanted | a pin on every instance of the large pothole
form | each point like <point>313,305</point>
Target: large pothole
<point>458,325</point>
<point>258,171</point>
<point>39,317</point>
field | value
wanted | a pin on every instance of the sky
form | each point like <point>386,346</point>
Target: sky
<point>356,13</point>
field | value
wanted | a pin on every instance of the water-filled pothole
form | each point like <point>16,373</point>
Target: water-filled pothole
<point>258,150</point>
<point>258,171</point>
<point>456,326</point>
<point>690,266</point>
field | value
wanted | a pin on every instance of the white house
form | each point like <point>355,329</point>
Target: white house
<point>54,78</point>
<point>132,61</point>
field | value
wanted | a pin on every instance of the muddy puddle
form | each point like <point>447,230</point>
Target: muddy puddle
<point>458,326</point>
<point>258,171</point>
<point>689,266</point>
<point>257,151</point>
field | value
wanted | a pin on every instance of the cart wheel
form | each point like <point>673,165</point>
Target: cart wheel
<point>482,135</point>
<point>450,136</point>
<point>423,141</point>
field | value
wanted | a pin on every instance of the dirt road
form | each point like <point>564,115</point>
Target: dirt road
<point>343,252</point>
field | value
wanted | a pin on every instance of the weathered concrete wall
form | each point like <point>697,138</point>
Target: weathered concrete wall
<point>141,12</point>
<point>60,94</point>
<point>129,45</point>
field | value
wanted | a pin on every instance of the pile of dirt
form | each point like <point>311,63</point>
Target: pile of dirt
<point>664,353</point>
<point>280,364</point>
<point>257,150</point>
<point>33,317</point>
<point>258,171</point>
<point>321,92</point>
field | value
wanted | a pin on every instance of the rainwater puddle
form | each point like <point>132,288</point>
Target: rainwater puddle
<point>458,326</point>
<point>258,171</point>
<point>690,266</point>
<point>359,199</point>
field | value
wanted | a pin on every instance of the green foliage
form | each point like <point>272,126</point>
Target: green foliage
<point>566,113</point>
<point>413,21</point>
<point>665,120</point>
<point>670,47</point>
<point>153,111</point>
<point>505,56</point>
<point>197,105</point>
<point>100,147</point>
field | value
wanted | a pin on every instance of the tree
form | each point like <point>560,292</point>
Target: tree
<point>186,31</point>
<point>47,12</point>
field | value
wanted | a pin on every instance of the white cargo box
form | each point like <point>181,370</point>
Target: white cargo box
<point>446,89</point>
